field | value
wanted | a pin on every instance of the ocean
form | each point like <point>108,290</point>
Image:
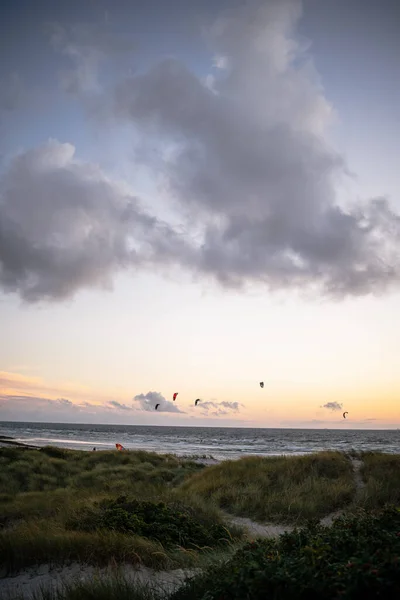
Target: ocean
<point>219,442</point>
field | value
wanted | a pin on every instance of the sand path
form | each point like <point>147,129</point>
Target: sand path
<point>32,580</point>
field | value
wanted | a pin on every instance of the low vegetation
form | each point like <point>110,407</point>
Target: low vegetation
<point>280,489</point>
<point>357,557</point>
<point>159,511</point>
<point>60,505</point>
<point>381,475</point>
<point>171,525</point>
<point>51,468</point>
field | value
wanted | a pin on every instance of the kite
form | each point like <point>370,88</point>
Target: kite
<point>174,396</point>
<point>261,384</point>
<point>157,405</point>
<point>119,447</point>
<point>345,413</point>
<point>196,401</point>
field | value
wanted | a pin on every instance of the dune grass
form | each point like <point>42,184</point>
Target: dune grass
<point>43,491</point>
<point>381,476</point>
<point>41,542</point>
<point>53,468</point>
<point>278,489</point>
<point>55,504</point>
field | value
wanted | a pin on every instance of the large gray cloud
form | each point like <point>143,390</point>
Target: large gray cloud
<point>148,402</point>
<point>250,159</point>
<point>244,157</point>
<point>64,226</point>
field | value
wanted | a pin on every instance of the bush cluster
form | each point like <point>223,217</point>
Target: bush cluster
<point>357,557</point>
<point>174,524</point>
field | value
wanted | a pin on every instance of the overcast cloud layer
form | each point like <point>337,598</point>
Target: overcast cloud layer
<point>248,161</point>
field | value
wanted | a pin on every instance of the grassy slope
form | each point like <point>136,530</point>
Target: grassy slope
<point>24,470</point>
<point>280,489</point>
<point>381,475</point>
<point>41,490</point>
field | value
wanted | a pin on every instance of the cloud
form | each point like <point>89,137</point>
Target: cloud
<point>219,408</point>
<point>231,405</point>
<point>246,165</point>
<point>252,163</point>
<point>24,407</point>
<point>87,47</point>
<point>148,402</point>
<point>35,408</point>
<point>332,406</point>
<point>18,385</point>
<point>65,226</point>
<point>35,403</point>
<point>8,378</point>
<point>64,402</point>
<point>119,405</point>
<point>41,405</point>
<point>15,383</point>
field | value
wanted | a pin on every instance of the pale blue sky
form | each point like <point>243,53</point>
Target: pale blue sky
<point>165,331</point>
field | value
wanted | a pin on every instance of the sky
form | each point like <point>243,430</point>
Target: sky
<point>196,197</point>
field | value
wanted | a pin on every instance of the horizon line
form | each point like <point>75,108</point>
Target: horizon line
<point>196,426</point>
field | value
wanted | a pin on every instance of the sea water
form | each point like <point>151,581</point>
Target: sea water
<point>219,442</point>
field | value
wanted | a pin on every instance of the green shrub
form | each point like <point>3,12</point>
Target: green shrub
<point>357,557</point>
<point>174,524</point>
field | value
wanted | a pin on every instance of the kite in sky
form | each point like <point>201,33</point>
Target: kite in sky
<point>174,396</point>
<point>261,384</point>
<point>157,405</point>
<point>344,414</point>
<point>196,401</point>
